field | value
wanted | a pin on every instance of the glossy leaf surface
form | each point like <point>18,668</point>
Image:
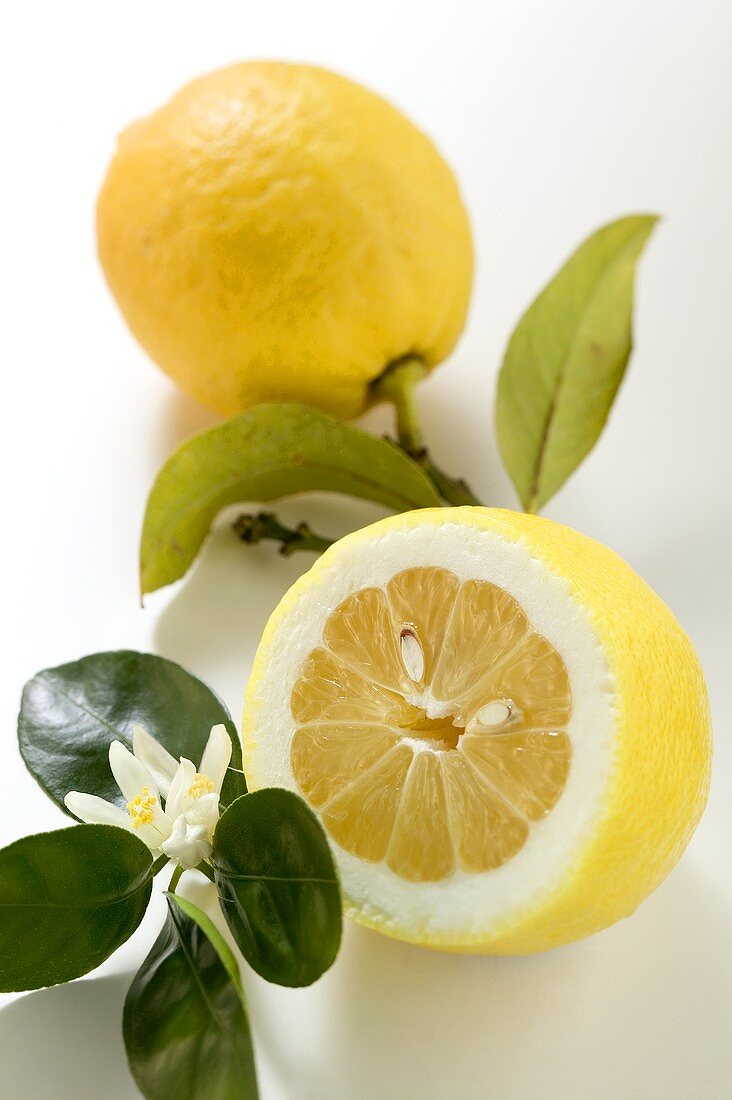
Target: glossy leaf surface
<point>69,716</point>
<point>278,886</point>
<point>185,1023</point>
<point>68,899</point>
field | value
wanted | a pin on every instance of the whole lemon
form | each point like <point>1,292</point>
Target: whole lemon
<point>277,231</point>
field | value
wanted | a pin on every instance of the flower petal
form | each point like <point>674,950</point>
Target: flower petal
<point>216,756</point>
<point>130,774</point>
<point>158,761</point>
<point>177,835</point>
<point>96,811</point>
<point>161,823</point>
<point>187,845</point>
<point>182,780</point>
<point>152,835</point>
<point>204,812</point>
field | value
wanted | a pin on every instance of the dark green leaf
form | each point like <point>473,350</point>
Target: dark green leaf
<point>185,1022</point>
<point>207,926</point>
<point>68,899</point>
<point>566,360</point>
<point>270,451</point>
<point>278,886</point>
<point>69,716</point>
<point>234,786</point>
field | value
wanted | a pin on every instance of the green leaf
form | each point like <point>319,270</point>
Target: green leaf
<point>68,899</point>
<point>69,716</point>
<point>185,1021</point>
<point>566,360</point>
<point>270,451</point>
<point>233,787</point>
<point>278,886</point>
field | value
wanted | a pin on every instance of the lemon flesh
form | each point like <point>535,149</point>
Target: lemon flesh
<point>429,794</point>
<point>503,730</point>
<point>278,232</point>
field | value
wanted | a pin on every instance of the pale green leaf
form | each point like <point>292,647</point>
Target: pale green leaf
<point>270,451</point>
<point>566,360</point>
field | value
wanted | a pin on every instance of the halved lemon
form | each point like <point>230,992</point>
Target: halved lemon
<point>502,728</point>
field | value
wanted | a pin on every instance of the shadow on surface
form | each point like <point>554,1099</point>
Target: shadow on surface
<point>399,1021</point>
<point>67,1041</point>
<point>390,1020</point>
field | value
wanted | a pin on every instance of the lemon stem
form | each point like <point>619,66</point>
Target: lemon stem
<point>175,878</point>
<point>159,864</point>
<point>265,525</point>
<point>398,384</point>
<point>453,490</point>
<point>206,870</point>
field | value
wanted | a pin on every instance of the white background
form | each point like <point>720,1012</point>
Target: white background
<point>557,117</point>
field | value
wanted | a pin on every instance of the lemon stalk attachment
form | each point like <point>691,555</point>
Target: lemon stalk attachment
<point>397,385</point>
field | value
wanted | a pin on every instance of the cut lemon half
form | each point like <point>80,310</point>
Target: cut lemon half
<point>503,730</point>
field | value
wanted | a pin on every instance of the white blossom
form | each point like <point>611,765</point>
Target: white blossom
<point>182,829</point>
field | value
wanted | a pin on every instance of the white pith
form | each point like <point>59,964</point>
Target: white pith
<point>464,906</point>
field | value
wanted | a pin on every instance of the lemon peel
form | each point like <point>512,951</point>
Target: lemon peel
<point>593,791</point>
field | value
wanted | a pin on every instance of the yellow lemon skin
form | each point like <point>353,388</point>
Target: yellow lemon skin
<point>278,232</point>
<point>660,773</point>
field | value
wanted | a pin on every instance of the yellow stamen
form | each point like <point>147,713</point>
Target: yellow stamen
<point>140,808</point>
<point>201,785</point>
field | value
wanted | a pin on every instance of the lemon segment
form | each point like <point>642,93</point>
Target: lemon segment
<point>486,831</point>
<point>421,846</point>
<point>361,818</point>
<point>330,691</point>
<point>361,634</point>
<point>422,598</point>
<point>487,626</point>
<point>529,769</point>
<point>326,758</point>
<point>504,731</point>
